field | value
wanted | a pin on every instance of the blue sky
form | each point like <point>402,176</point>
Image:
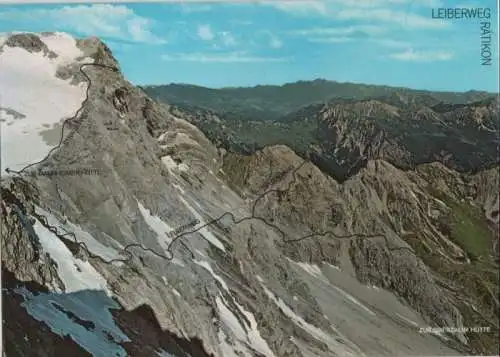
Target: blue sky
<point>390,42</point>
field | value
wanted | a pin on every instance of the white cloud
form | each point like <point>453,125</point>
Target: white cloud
<point>192,8</point>
<point>358,3</point>
<point>404,18</point>
<point>300,7</point>
<point>389,11</point>
<point>104,20</point>
<point>378,3</point>
<point>116,46</point>
<point>327,7</point>
<point>107,1</point>
<point>227,38</point>
<point>333,31</point>
<point>275,43</point>
<point>360,33</point>
<point>342,39</point>
<point>241,22</point>
<point>218,38</point>
<point>270,39</point>
<point>384,42</point>
<point>232,57</point>
<point>411,55</point>
<point>205,32</point>
<point>139,29</point>
<point>390,43</point>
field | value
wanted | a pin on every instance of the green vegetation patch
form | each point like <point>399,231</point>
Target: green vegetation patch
<point>466,226</point>
<point>470,230</point>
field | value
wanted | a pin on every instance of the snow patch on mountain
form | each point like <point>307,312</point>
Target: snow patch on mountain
<point>204,231</point>
<point>164,354</point>
<point>244,335</point>
<point>247,335</point>
<point>227,349</point>
<point>64,46</point>
<point>230,320</point>
<point>75,274</point>
<point>157,225</point>
<point>253,334</point>
<point>176,292</point>
<point>29,85</point>
<point>172,165</point>
<point>94,246</point>
<point>208,267</point>
<point>315,271</point>
<point>335,346</point>
<point>312,269</point>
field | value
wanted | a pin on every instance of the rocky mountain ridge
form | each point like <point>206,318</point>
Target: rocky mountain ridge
<point>343,135</point>
<point>270,102</point>
<point>175,246</point>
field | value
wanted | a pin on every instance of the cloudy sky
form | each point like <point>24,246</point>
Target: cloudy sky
<point>216,44</point>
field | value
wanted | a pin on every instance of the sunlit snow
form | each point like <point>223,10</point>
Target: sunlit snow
<point>172,165</point>
<point>29,86</point>
<point>254,337</point>
<point>230,320</point>
<point>207,266</point>
<point>315,271</point>
<point>251,338</point>
<point>203,231</point>
<point>312,269</point>
<point>332,343</point>
<point>94,246</point>
<point>75,274</point>
<point>157,225</point>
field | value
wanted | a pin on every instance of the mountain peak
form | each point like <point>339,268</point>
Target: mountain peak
<point>42,81</point>
<point>60,44</point>
<point>140,231</point>
<point>95,48</point>
<point>29,42</point>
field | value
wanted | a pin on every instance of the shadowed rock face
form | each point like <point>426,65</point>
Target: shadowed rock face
<point>26,336</point>
<point>147,338</point>
<point>461,137</point>
<point>410,232</point>
<point>280,258</point>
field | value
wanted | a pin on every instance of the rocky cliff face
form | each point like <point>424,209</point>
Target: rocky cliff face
<point>406,134</point>
<point>133,235</point>
<point>420,233</point>
<point>343,135</point>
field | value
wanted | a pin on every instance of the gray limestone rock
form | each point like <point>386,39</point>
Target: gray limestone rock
<point>250,264</point>
<point>30,42</point>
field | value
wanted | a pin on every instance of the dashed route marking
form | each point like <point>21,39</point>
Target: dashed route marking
<point>178,238</point>
<point>77,113</point>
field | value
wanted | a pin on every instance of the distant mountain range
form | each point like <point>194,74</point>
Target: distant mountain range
<point>342,126</point>
<point>272,101</point>
<point>139,228</point>
<point>425,162</point>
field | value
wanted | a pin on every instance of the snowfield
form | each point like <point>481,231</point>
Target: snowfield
<point>75,274</point>
<point>29,87</point>
<point>336,347</point>
<point>94,246</point>
<point>244,336</point>
<point>203,231</point>
<point>158,226</point>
